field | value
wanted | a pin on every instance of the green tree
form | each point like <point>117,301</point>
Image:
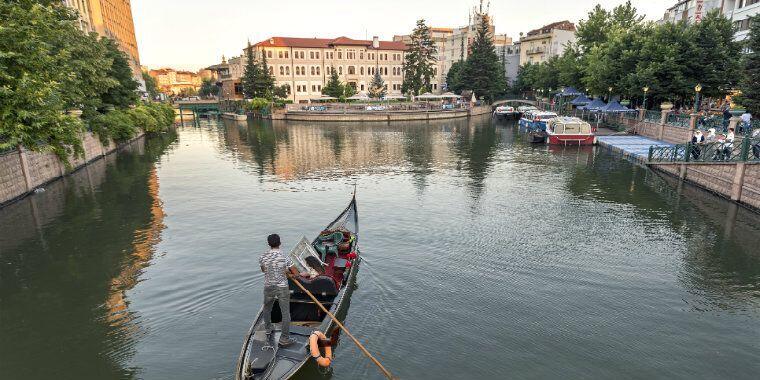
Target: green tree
<point>282,92</point>
<point>715,61</point>
<point>251,74</point>
<point>419,66</point>
<point>527,77</point>
<point>333,87</point>
<point>750,84</point>
<point>150,85</point>
<point>483,72</point>
<point>124,93</point>
<point>593,31</point>
<point>377,86</point>
<point>264,84</point>
<point>348,91</point>
<point>208,88</point>
<point>454,77</point>
<point>33,69</point>
<point>90,63</point>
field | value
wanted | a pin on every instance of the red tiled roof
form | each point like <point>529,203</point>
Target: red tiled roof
<point>326,43</point>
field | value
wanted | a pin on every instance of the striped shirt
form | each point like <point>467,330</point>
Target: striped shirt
<point>275,264</point>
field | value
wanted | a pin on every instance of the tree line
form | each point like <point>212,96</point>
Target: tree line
<point>51,72</point>
<point>616,52</point>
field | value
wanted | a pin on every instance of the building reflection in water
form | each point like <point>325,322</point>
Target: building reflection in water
<point>68,255</point>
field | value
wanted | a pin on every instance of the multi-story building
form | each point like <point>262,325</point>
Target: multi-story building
<point>112,19</point>
<point>510,57</point>
<point>173,82</point>
<point>305,64</point>
<point>540,44</point>
<point>439,36</point>
<point>740,12</point>
<point>691,11</point>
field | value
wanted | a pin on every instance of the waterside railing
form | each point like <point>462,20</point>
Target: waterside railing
<point>743,150</point>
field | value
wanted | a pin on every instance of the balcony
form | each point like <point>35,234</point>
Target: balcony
<point>536,50</point>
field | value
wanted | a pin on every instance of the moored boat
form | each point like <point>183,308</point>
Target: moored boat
<point>569,131</point>
<point>505,111</point>
<point>333,260</point>
<point>536,136</point>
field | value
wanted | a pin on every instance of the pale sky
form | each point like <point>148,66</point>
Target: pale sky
<point>191,34</point>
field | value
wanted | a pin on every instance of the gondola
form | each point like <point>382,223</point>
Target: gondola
<point>333,259</point>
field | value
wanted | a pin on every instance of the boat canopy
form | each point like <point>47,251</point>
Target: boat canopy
<point>615,107</point>
<point>581,100</point>
<point>569,91</point>
<point>569,126</point>
<point>595,105</point>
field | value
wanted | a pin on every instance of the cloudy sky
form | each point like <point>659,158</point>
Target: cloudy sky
<point>190,34</point>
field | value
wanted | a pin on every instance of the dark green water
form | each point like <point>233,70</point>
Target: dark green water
<point>485,258</point>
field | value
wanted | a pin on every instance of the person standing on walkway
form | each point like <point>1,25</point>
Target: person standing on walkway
<point>728,145</point>
<point>696,142</point>
<point>726,118</point>
<point>275,265</point>
<point>746,122</point>
<point>756,143</point>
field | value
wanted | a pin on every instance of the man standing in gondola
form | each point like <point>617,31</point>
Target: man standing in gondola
<point>275,264</point>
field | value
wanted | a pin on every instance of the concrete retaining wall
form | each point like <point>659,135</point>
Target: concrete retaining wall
<point>22,171</point>
<point>385,116</point>
<point>736,181</point>
<point>664,132</point>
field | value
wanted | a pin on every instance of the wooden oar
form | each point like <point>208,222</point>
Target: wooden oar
<point>356,341</point>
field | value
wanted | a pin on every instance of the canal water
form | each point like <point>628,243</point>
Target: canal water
<point>484,257</point>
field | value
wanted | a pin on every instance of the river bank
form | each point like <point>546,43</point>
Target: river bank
<point>23,171</point>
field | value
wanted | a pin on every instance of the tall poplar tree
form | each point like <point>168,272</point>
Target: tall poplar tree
<point>483,72</point>
<point>419,66</point>
<point>750,85</point>
<point>250,74</point>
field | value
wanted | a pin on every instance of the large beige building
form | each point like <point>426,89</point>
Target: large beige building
<point>112,19</point>
<point>305,64</point>
<point>172,82</point>
<point>548,41</point>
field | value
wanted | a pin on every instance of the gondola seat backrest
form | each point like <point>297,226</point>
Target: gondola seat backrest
<point>319,286</point>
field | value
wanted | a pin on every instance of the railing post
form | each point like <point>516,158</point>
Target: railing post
<point>688,151</point>
<point>651,151</point>
<point>745,148</point>
<point>664,116</point>
<point>642,113</point>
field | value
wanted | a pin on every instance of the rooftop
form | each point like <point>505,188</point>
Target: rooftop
<point>561,25</point>
<point>326,43</point>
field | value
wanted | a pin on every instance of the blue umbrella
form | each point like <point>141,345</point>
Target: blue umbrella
<point>595,105</point>
<point>615,107</point>
<point>580,100</point>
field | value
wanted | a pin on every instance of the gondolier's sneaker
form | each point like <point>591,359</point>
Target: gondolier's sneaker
<point>286,342</point>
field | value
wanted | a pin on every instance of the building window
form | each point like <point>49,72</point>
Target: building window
<point>340,54</point>
<point>317,70</point>
<point>340,69</point>
<point>361,70</point>
<point>269,54</point>
<point>313,88</point>
<point>351,70</point>
<point>327,70</point>
<point>287,70</point>
<point>313,72</point>
<point>282,70</point>
<point>361,55</point>
<point>319,87</point>
<point>286,54</point>
<point>362,87</point>
<point>303,70</point>
<point>271,70</point>
<point>279,54</point>
<point>311,55</point>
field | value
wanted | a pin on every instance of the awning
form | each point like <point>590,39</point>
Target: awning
<point>449,95</point>
<point>580,100</point>
<point>595,105</point>
<point>428,96</point>
<point>613,107</point>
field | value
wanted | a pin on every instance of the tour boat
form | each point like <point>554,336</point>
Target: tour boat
<point>333,260</point>
<point>526,119</point>
<point>569,131</point>
<point>523,109</point>
<point>505,111</point>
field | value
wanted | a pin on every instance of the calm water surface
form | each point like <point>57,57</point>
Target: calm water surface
<point>485,257</point>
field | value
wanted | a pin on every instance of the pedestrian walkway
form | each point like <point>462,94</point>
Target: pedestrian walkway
<point>633,147</point>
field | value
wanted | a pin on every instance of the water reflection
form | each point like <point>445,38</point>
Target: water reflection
<point>66,257</point>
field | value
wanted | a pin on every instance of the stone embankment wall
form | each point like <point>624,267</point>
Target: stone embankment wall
<point>383,116</point>
<point>662,132</point>
<point>739,182</point>
<point>22,170</point>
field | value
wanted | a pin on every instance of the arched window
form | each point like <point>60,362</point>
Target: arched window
<point>313,71</point>
<point>361,55</point>
<point>271,70</point>
<point>340,55</point>
<point>317,70</point>
<point>351,70</point>
<point>269,54</point>
<point>298,70</point>
<point>279,54</point>
<point>340,69</point>
<point>287,54</point>
<point>282,70</point>
<point>303,70</point>
<point>361,70</point>
<point>287,70</point>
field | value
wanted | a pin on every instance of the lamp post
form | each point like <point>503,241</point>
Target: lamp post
<point>698,89</point>
<point>561,98</point>
<point>646,89</point>
<point>609,94</point>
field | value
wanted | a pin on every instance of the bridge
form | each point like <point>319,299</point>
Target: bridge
<point>514,101</point>
<point>198,106</point>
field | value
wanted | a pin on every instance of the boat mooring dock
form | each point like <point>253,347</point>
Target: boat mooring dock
<point>635,148</point>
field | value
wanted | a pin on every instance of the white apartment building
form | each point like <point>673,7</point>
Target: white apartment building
<point>439,36</point>
<point>548,41</point>
<point>305,64</point>
<point>739,11</point>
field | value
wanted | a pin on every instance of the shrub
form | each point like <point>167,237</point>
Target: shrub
<point>116,125</point>
<point>257,105</point>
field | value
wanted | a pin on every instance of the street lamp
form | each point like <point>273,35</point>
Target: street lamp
<point>646,89</point>
<point>698,89</point>
<point>561,99</point>
<point>609,95</point>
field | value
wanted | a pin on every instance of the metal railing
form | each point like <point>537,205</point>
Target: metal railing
<point>678,120</point>
<point>652,116</point>
<point>744,150</point>
<point>374,107</point>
